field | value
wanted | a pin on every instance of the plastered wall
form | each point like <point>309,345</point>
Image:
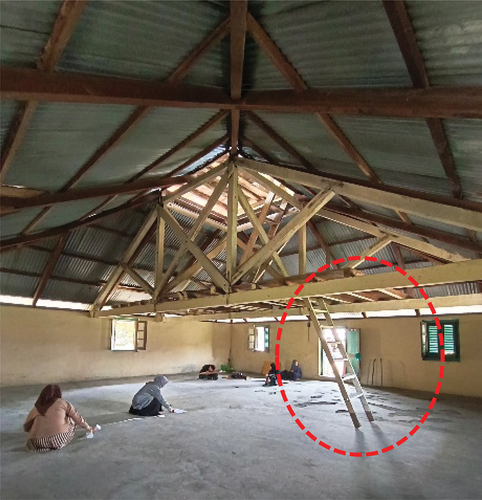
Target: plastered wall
<point>395,340</point>
<point>46,346</point>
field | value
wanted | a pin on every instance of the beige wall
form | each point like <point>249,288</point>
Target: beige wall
<point>395,340</point>
<point>46,346</point>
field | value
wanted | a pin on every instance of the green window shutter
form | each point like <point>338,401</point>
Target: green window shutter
<point>266,339</point>
<point>432,339</point>
<point>449,338</point>
<point>251,339</point>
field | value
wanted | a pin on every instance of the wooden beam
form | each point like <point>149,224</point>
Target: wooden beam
<point>92,192</point>
<point>302,250</point>
<point>401,263</point>
<point>434,102</point>
<point>232,221</point>
<point>401,239</point>
<point>235,118</point>
<point>138,278</point>
<point>49,268</point>
<point>321,241</point>
<point>194,231</point>
<point>258,227</point>
<point>209,267</point>
<point>372,250</point>
<point>159,262</point>
<point>63,28</point>
<point>18,241</point>
<point>117,273</point>
<point>428,209</point>
<point>402,27</point>
<point>458,272</point>
<point>261,152</point>
<point>254,235</point>
<point>425,232</point>
<point>286,233</point>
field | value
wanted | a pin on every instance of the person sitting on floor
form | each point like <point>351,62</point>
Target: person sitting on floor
<point>148,401</point>
<point>271,376</point>
<point>51,422</point>
<point>208,372</point>
<point>296,373</point>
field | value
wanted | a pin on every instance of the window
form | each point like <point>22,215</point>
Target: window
<point>431,341</point>
<point>258,338</point>
<point>128,335</point>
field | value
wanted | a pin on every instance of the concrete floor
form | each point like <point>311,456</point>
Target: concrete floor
<point>238,441</point>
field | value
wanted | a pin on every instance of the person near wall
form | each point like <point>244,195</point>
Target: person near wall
<point>52,421</point>
<point>149,401</point>
<point>207,372</point>
<point>296,373</point>
<point>271,376</point>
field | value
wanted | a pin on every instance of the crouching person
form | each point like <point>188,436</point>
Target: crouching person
<point>148,401</point>
<point>51,422</point>
<point>208,372</point>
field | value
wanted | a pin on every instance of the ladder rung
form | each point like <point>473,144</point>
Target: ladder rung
<point>358,395</point>
<point>351,376</point>
<point>334,342</point>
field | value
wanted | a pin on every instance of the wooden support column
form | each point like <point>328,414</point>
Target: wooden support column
<point>232,219</point>
<point>302,250</point>
<point>159,263</point>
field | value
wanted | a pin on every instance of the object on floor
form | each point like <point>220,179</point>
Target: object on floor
<point>177,410</point>
<point>90,434</point>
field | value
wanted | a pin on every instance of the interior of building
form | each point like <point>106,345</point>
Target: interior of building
<point>240,183</point>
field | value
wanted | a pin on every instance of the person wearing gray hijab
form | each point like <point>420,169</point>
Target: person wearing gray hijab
<point>148,401</point>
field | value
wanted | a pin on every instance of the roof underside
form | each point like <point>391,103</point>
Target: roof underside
<point>69,249</point>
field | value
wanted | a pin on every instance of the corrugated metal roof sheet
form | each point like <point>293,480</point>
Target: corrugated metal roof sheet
<point>465,140</point>
<point>138,39</point>
<point>25,259</point>
<point>85,270</point>
<point>13,224</point>
<point>60,139</point>
<point>336,43</point>
<point>123,296</point>
<point>25,28</point>
<point>400,151</point>
<point>18,286</point>
<point>333,232</point>
<point>155,135</point>
<point>449,36</point>
<point>205,160</point>
<point>71,292</point>
<point>67,212</point>
<point>8,112</point>
<point>309,137</point>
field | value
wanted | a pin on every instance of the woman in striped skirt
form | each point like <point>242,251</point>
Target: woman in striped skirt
<point>51,422</point>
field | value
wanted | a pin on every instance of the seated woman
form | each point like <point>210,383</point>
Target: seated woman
<point>207,372</point>
<point>148,401</point>
<point>51,422</point>
<point>295,370</point>
<point>271,376</point>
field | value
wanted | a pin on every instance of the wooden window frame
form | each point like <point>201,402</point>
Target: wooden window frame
<point>140,335</point>
<point>252,333</point>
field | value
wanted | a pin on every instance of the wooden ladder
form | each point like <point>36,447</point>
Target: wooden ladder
<point>350,375</point>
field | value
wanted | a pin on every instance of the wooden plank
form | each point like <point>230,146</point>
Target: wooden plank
<point>428,209</point>
<point>372,250</point>
<point>49,268</point>
<point>235,118</point>
<point>159,262</point>
<point>138,278</point>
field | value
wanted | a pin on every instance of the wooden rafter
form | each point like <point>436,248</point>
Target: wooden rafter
<point>63,28</point>
<point>433,102</point>
<point>402,27</point>
<point>141,112</point>
<point>401,263</point>
<point>18,241</point>
<point>92,192</point>
<point>232,222</point>
<point>49,268</point>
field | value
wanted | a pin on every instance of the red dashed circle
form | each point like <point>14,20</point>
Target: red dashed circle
<point>437,389</point>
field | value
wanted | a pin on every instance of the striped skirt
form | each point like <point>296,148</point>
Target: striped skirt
<point>50,443</point>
